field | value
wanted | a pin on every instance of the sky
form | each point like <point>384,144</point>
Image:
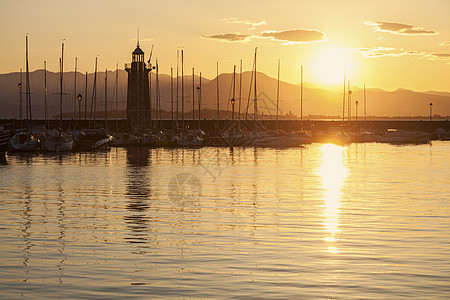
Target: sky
<point>383,44</point>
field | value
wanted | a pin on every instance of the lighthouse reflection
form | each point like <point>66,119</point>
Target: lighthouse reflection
<point>333,174</point>
<point>138,193</point>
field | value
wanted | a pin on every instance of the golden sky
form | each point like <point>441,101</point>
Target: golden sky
<point>385,44</point>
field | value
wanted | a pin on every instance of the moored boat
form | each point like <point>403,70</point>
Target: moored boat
<point>24,142</point>
<point>401,136</point>
<point>56,140</point>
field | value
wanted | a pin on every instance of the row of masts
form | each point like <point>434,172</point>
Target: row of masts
<point>347,98</point>
<point>93,108</point>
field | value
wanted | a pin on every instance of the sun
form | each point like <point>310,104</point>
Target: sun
<point>330,64</point>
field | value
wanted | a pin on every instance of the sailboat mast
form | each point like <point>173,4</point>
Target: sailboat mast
<point>349,106</point>
<point>74,91</point>
<point>178,110</point>
<point>301,98</point>
<point>255,103</point>
<point>45,96</point>
<point>343,100</point>
<point>240,94</point>
<point>234,93</point>
<point>200,101</point>
<point>20,99</point>
<point>182,90</point>
<point>106,99</point>
<point>171,95</point>
<point>278,94</point>
<point>116,92</point>
<point>61,73</point>
<point>141,111</point>
<point>193,98</point>
<point>94,95</point>
<point>158,95</point>
<point>365,108</point>
<point>85,96</point>
<point>94,98</point>
<point>218,105</point>
<point>27,84</point>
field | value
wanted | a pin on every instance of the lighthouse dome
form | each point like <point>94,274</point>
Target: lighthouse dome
<point>138,50</point>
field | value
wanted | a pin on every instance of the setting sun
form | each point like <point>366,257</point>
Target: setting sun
<point>330,63</point>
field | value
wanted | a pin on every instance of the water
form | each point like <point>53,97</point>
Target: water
<point>324,221</point>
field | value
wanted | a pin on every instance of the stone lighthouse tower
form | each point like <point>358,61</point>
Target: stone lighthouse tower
<point>138,100</point>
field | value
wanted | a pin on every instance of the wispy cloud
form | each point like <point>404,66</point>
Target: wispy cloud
<point>439,56</point>
<point>386,52</point>
<point>228,37</point>
<point>245,22</point>
<point>295,36</point>
<point>399,28</point>
<point>447,43</point>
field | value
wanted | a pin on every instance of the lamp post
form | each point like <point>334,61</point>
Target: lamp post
<point>356,108</point>
<point>431,111</point>
<point>79,98</point>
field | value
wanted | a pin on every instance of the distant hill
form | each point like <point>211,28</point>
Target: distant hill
<point>318,100</point>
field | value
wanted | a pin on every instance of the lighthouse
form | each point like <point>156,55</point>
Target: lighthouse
<point>138,100</point>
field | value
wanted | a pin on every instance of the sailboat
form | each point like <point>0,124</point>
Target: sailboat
<point>279,139</point>
<point>24,140</point>
<point>56,140</point>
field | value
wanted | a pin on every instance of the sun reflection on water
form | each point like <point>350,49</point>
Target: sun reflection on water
<point>333,173</point>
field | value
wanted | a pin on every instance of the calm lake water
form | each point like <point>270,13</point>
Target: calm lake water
<point>323,221</point>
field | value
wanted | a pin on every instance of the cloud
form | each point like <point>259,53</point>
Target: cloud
<point>386,52</point>
<point>228,37</point>
<point>399,28</point>
<point>245,22</point>
<point>438,56</point>
<point>445,43</point>
<point>295,36</point>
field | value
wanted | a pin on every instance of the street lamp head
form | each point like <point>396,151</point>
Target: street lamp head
<point>79,97</point>
<point>431,104</point>
<point>20,84</point>
<point>356,102</point>
<point>198,88</point>
<point>232,100</point>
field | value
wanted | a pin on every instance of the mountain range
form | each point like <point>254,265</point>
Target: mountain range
<point>319,100</point>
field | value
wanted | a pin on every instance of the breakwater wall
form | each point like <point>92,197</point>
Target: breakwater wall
<point>218,125</point>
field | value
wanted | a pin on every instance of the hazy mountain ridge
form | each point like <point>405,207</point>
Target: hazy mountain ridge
<point>318,100</point>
